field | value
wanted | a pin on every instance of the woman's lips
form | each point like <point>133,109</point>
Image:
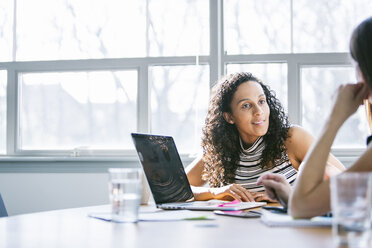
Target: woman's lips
<point>258,122</point>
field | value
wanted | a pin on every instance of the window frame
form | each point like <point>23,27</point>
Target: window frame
<point>142,66</point>
<point>217,61</point>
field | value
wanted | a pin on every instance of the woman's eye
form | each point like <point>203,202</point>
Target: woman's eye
<point>262,101</point>
<point>246,105</point>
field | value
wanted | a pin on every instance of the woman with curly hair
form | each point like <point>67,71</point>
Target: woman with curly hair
<point>247,134</point>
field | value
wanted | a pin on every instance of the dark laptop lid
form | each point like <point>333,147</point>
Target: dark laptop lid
<point>163,168</point>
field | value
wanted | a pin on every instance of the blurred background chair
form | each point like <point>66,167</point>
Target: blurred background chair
<point>3,212</point>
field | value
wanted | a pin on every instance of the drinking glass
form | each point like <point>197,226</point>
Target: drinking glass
<point>351,208</point>
<point>125,193</point>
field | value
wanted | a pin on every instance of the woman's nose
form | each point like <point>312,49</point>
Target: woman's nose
<point>258,110</point>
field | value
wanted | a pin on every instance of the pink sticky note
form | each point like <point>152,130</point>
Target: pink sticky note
<point>229,203</point>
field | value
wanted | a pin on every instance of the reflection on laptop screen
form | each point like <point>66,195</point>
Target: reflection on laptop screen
<point>163,168</point>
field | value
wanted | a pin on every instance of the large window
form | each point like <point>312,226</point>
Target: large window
<point>115,67</point>
<point>297,26</point>
<point>84,29</point>
<point>318,86</point>
<point>6,30</point>
<point>179,101</point>
<point>325,26</point>
<point>77,77</point>
<point>300,48</point>
<point>256,27</point>
<point>68,110</point>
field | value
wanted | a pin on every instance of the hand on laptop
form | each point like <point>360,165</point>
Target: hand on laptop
<point>231,192</point>
<point>277,187</point>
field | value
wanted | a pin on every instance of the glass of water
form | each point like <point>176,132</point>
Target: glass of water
<point>351,208</point>
<point>125,188</point>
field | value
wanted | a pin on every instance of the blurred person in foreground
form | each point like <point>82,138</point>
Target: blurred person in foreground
<point>310,195</point>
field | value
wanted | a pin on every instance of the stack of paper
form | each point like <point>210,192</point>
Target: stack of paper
<point>280,219</point>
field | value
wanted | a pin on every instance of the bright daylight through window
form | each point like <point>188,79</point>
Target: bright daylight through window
<point>82,75</point>
<point>254,27</point>
<point>72,109</point>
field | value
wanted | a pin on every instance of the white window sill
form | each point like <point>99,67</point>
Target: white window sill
<point>55,164</point>
<point>66,158</point>
<point>99,164</point>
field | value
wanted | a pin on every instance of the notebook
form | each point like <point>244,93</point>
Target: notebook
<point>276,219</point>
<point>167,178</point>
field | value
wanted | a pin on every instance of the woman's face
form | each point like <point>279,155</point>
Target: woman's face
<point>249,112</point>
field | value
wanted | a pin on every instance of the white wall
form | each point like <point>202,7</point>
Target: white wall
<point>33,192</point>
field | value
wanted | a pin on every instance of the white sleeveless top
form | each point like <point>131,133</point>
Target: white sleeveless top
<point>249,167</point>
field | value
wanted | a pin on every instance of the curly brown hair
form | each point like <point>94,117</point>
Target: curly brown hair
<point>220,139</point>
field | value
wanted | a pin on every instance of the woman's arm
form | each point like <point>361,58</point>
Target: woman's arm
<point>311,194</point>
<point>194,173</point>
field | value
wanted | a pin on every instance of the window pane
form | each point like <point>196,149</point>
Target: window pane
<point>179,102</point>
<point>3,83</point>
<point>318,86</point>
<point>6,30</point>
<point>67,29</point>
<point>178,27</point>
<point>257,26</point>
<point>274,75</point>
<point>326,25</point>
<point>71,109</point>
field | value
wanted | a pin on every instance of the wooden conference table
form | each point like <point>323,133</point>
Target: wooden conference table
<point>73,228</point>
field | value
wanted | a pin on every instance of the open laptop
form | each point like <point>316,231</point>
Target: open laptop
<point>167,178</point>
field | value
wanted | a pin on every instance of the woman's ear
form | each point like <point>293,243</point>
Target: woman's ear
<point>228,118</point>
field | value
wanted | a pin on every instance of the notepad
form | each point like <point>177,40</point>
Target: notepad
<point>282,220</point>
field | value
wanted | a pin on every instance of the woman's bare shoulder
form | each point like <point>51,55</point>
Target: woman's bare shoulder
<point>297,144</point>
<point>298,135</point>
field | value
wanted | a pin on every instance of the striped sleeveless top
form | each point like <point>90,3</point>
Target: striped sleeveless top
<point>249,168</point>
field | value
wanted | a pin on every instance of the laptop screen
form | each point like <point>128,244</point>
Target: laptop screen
<point>163,168</point>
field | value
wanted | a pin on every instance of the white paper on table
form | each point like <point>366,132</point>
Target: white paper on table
<point>281,220</point>
<point>172,215</point>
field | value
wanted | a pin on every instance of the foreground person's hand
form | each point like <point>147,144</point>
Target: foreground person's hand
<point>348,99</point>
<point>276,186</point>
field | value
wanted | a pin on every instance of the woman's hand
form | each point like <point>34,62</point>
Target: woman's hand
<point>231,192</point>
<point>262,197</point>
<point>349,98</point>
<point>277,187</point>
